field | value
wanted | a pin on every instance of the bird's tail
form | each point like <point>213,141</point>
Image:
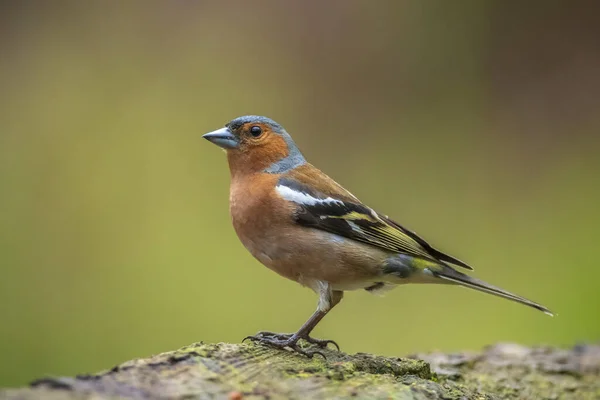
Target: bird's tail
<point>448,274</point>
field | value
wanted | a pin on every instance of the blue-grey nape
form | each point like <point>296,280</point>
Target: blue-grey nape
<point>293,160</point>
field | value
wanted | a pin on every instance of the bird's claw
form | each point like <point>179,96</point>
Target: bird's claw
<point>290,341</point>
<point>322,343</point>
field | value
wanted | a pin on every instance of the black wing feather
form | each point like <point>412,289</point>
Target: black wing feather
<point>359,222</point>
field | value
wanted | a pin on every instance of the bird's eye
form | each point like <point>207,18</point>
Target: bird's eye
<point>256,131</point>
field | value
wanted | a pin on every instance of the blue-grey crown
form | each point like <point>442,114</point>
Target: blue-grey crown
<point>246,119</point>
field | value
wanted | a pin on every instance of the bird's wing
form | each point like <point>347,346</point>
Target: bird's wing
<point>331,208</point>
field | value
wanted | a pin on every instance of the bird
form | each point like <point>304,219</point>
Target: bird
<point>303,225</point>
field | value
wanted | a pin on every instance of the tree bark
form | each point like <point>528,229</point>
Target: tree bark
<point>249,371</point>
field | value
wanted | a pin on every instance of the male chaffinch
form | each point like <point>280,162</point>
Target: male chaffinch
<point>303,225</point>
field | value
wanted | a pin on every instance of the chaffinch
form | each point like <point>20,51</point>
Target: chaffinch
<point>303,225</point>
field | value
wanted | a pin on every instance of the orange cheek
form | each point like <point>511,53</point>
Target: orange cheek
<point>258,157</point>
<point>271,150</point>
<point>277,146</point>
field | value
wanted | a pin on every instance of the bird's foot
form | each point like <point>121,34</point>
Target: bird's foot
<point>322,343</point>
<point>290,341</point>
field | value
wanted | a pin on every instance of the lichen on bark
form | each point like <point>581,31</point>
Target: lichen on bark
<point>249,371</point>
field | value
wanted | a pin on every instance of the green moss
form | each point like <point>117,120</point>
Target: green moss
<point>394,366</point>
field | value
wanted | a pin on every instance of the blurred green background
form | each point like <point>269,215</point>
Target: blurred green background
<point>474,123</point>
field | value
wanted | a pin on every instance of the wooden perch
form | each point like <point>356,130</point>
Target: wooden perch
<point>248,371</point>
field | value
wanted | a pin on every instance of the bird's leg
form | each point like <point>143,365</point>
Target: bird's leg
<point>328,298</point>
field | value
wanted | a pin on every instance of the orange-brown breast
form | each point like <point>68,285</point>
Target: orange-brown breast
<point>256,215</point>
<point>265,225</point>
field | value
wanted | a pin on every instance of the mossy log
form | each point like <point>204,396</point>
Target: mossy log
<point>249,371</point>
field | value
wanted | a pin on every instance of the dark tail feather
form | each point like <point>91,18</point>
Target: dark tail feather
<point>448,258</point>
<point>474,283</point>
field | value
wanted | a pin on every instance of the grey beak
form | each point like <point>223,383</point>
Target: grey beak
<point>222,138</point>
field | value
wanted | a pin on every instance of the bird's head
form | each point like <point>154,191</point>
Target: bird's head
<point>257,144</point>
